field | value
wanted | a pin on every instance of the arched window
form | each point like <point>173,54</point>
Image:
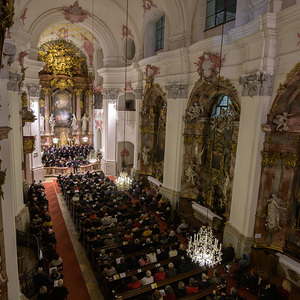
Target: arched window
<point>223,104</point>
<point>160,32</point>
<point>219,12</point>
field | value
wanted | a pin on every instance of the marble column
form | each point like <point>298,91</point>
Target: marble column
<point>255,102</point>
<point>177,102</point>
<point>47,110</point>
<point>89,95</point>
<point>78,114</point>
<point>109,127</point>
<point>137,148</point>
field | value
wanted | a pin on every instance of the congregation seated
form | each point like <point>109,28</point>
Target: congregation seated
<point>192,287</point>
<point>152,255</point>
<point>180,291</point>
<point>171,270</point>
<point>169,294</point>
<point>134,284</point>
<point>250,279</point>
<point>160,275</point>
<point>216,277</point>
<point>147,279</point>
<point>109,271</point>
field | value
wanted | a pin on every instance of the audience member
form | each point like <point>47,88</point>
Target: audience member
<point>169,294</point>
<point>59,292</point>
<point>134,284</point>
<point>148,279</point>
<point>160,275</point>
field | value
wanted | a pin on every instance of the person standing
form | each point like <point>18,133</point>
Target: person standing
<point>75,165</point>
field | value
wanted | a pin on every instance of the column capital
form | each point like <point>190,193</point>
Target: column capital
<point>46,90</point>
<point>34,90</point>
<point>257,84</point>
<point>138,93</point>
<point>110,93</point>
<point>88,92</point>
<point>177,90</point>
<point>78,91</point>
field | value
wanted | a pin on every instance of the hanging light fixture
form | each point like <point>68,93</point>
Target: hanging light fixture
<point>123,181</point>
<point>203,248</point>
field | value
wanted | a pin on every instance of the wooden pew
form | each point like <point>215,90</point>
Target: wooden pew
<point>129,256</point>
<point>160,284</point>
<point>141,270</point>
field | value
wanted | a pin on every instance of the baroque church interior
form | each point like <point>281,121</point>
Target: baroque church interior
<point>197,100</point>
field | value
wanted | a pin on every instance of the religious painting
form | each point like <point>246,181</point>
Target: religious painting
<point>62,100</point>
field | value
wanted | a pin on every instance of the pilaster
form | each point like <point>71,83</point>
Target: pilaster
<point>177,102</point>
<point>254,108</point>
<point>110,135</point>
<point>138,104</point>
<point>35,158</point>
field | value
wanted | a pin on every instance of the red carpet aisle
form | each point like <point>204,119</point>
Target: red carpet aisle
<point>73,278</point>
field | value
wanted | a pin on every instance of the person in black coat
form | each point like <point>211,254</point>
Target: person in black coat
<point>60,292</point>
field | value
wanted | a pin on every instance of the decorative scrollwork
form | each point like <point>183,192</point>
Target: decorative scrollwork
<point>270,158</point>
<point>147,129</point>
<point>62,57</point>
<point>289,160</point>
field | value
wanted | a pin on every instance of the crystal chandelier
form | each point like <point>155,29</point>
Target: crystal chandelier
<point>203,248</point>
<point>123,181</point>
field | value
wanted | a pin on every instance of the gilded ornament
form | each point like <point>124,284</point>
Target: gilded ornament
<point>42,103</point>
<point>78,92</point>
<point>46,90</point>
<point>296,141</point>
<point>289,160</point>
<point>88,92</point>
<point>293,72</point>
<point>62,84</point>
<point>290,75</point>
<point>233,148</point>
<point>28,144</point>
<point>269,139</point>
<point>188,138</point>
<point>199,139</point>
<point>24,100</point>
<point>270,158</point>
<point>62,57</point>
<point>147,129</point>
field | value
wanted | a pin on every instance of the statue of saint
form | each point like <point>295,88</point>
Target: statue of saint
<point>194,112</point>
<point>191,174</point>
<point>274,210</point>
<point>145,155</point>
<point>52,122</point>
<point>74,123</point>
<point>42,123</point>
<point>84,121</point>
